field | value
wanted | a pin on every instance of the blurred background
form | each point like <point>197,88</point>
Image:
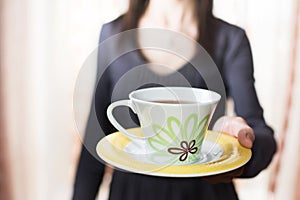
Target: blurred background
<point>43,44</point>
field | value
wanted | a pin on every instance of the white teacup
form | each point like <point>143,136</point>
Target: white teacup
<point>174,120</point>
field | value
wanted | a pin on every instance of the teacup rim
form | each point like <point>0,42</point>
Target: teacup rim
<point>212,102</point>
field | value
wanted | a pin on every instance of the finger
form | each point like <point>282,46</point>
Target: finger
<point>218,179</point>
<point>215,180</point>
<point>230,125</point>
<point>235,124</point>
<point>237,127</point>
<point>225,177</point>
<point>246,137</point>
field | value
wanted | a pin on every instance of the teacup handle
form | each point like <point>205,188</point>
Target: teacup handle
<point>116,124</point>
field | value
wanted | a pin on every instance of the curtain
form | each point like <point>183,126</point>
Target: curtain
<point>5,173</point>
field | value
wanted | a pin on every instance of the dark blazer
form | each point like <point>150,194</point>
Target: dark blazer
<point>230,50</point>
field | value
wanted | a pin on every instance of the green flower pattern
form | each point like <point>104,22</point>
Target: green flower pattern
<point>185,138</point>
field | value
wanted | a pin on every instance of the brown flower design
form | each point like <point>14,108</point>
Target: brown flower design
<point>185,149</point>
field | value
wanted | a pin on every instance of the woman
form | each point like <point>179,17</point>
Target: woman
<point>229,48</point>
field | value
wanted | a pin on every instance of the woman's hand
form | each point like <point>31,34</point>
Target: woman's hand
<point>237,127</point>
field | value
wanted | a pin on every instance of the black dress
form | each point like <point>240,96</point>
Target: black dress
<point>232,55</point>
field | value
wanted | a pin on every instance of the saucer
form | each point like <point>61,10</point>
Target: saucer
<point>220,153</point>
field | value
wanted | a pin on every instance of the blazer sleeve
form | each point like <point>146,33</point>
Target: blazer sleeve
<point>239,80</point>
<point>90,169</point>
